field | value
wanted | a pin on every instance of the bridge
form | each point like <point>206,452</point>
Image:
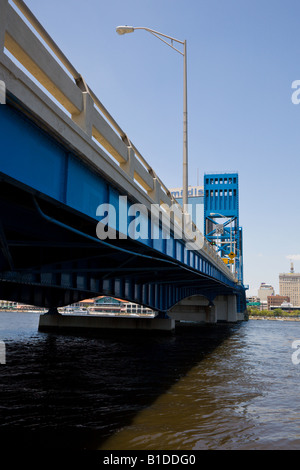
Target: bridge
<point>82,212</point>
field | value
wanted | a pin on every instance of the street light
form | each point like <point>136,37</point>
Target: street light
<point>130,29</point>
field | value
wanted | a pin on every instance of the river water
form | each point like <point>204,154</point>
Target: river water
<point>218,387</point>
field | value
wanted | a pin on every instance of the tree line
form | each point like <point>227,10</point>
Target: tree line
<point>277,312</point>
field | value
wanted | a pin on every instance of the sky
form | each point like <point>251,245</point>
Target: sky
<point>242,58</point>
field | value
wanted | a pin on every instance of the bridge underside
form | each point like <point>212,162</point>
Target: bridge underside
<point>50,257</point>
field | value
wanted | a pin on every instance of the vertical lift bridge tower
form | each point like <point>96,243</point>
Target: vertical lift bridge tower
<point>221,219</point>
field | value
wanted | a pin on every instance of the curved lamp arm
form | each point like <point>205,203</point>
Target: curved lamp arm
<point>131,29</point>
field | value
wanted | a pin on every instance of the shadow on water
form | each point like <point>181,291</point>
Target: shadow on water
<point>74,392</point>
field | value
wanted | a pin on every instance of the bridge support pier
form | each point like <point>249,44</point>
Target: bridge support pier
<point>52,311</point>
<point>198,309</point>
<point>211,313</point>
<point>227,308</point>
<point>95,323</point>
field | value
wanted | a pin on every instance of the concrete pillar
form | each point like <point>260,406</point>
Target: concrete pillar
<point>3,16</point>
<point>211,313</point>
<point>85,118</point>
<point>195,309</point>
<point>222,305</point>
<point>52,311</point>
<point>231,309</point>
<point>226,306</point>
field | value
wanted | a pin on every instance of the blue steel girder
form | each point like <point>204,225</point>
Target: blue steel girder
<point>50,255</point>
<point>50,262</point>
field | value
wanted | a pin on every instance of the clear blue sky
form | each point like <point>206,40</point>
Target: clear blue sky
<point>243,56</point>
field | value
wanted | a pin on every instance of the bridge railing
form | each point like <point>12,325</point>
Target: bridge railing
<point>67,86</point>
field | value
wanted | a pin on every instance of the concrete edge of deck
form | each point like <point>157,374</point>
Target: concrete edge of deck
<point>81,324</point>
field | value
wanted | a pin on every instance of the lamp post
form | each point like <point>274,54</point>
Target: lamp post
<point>131,29</point>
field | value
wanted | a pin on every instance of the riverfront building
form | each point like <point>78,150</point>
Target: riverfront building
<point>108,305</point>
<point>289,284</point>
<point>277,301</point>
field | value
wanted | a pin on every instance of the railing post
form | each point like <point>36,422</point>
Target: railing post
<point>155,193</point>
<point>3,15</point>
<point>85,118</point>
<point>128,166</point>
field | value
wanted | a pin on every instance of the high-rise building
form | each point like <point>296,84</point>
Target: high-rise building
<point>289,284</point>
<point>264,291</point>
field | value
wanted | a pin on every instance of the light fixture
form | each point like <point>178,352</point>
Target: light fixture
<point>124,29</point>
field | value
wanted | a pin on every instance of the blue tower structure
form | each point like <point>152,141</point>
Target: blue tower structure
<point>221,219</point>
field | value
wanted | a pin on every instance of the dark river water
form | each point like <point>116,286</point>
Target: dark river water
<point>219,387</point>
